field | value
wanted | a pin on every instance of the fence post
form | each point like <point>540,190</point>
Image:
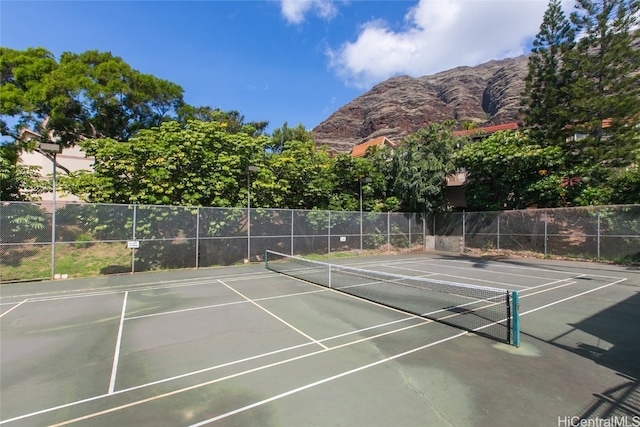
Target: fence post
<point>133,237</point>
<point>498,237</point>
<point>292,216</point>
<point>388,231</point>
<point>545,233</point>
<point>598,237</point>
<point>329,235</point>
<point>197,237</point>
<point>464,231</point>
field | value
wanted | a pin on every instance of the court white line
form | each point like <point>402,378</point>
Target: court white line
<point>142,316</point>
<point>278,363</point>
<point>504,265</point>
<point>136,287</point>
<point>116,356</point>
<point>236,362</point>
<point>323,381</point>
<point>551,283</point>
<point>573,296</point>
<point>275,316</point>
<point>548,289</point>
<point>207,383</point>
<point>14,307</point>
<point>492,282</point>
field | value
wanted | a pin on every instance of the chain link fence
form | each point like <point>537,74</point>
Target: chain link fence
<point>602,233</point>
<point>93,239</point>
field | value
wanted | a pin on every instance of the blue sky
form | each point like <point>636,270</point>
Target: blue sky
<point>294,61</point>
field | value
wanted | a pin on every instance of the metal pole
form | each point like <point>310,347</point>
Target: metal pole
<point>464,231</point>
<point>515,321</point>
<point>248,215</point>
<point>329,235</point>
<point>361,180</point>
<point>197,238</point>
<point>250,169</point>
<point>360,216</point>
<point>545,234</point>
<point>498,237</point>
<point>133,237</point>
<point>53,222</point>
<point>388,232</point>
<point>598,238</point>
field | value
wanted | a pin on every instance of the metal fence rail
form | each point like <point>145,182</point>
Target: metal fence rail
<point>35,244</point>
<point>601,233</point>
<point>106,239</point>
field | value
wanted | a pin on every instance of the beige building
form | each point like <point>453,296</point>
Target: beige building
<point>71,159</point>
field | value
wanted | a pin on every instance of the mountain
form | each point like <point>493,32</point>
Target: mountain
<point>488,94</point>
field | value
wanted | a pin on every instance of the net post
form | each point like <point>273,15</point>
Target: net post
<point>515,336</point>
<point>266,259</point>
<point>330,275</point>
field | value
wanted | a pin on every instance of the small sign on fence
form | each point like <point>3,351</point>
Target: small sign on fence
<point>133,244</point>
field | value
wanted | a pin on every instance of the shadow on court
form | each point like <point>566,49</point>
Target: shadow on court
<point>617,326</point>
<point>245,346</point>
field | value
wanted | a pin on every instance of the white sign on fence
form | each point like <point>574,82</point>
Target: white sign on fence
<point>133,244</point>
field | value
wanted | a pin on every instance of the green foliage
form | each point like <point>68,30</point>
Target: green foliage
<point>545,99</point>
<point>606,82</point>
<point>88,95</point>
<point>18,182</point>
<point>200,165</point>
<point>23,222</point>
<point>419,168</point>
<point>509,171</point>
<point>296,174</point>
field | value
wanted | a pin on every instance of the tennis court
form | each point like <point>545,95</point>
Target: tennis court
<point>248,346</point>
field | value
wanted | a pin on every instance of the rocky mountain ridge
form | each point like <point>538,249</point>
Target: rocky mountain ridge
<point>488,94</point>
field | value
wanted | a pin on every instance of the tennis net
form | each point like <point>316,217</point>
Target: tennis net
<point>486,311</point>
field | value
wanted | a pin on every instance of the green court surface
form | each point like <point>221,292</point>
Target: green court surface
<point>246,346</point>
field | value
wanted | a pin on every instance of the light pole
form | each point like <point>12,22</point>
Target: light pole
<point>52,149</point>
<point>362,180</point>
<point>250,170</point>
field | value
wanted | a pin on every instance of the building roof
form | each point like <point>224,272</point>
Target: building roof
<point>486,130</point>
<point>360,149</point>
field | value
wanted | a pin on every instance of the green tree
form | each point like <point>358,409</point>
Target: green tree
<point>18,182</point>
<point>420,166</point>
<point>284,134</point>
<point>84,96</point>
<point>546,99</point>
<point>20,72</point>
<point>198,165</point>
<point>508,170</point>
<point>297,174</point>
<point>605,84</point>
<point>234,121</point>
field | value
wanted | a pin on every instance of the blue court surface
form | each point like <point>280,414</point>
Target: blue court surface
<point>246,346</point>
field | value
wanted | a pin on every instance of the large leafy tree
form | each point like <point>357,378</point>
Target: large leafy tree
<point>18,182</point>
<point>420,166</point>
<point>201,164</point>
<point>233,120</point>
<point>605,86</point>
<point>509,170</point>
<point>90,95</point>
<point>546,99</point>
<point>297,174</point>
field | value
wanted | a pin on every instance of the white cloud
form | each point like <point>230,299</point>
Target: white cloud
<point>294,11</point>
<point>438,35</point>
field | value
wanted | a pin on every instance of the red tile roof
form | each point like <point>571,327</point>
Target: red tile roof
<point>360,149</point>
